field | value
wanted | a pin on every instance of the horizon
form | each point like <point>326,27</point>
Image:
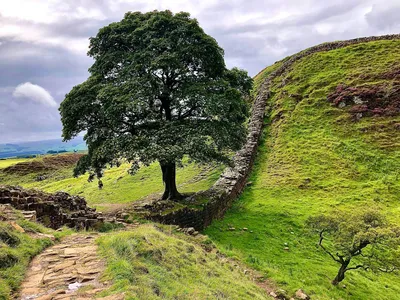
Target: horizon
<point>43,46</point>
<point>43,140</point>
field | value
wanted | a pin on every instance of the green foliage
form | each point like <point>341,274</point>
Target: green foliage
<point>315,159</point>
<point>158,91</point>
<point>361,239</point>
<point>148,263</point>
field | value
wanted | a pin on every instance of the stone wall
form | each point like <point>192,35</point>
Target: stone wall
<point>53,210</point>
<point>233,180</point>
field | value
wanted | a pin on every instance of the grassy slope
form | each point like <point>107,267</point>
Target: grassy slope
<point>12,275</point>
<point>119,187</point>
<point>313,160</point>
<point>150,263</point>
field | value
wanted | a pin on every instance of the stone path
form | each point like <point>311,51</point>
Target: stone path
<point>61,270</point>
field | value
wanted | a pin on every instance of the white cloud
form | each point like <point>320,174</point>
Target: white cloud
<point>46,41</point>
<point>35,93</point>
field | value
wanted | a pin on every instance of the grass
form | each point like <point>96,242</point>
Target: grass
<point>17,249</point>
<point>4,163</point>
<point>120,188</point>
<point>151,263</point>
<point>314,159</point>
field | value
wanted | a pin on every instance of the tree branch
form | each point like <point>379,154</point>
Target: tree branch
<point>387,270</point>
<point>321,238</point>
<point>188,113</point>
<point>357,267</point>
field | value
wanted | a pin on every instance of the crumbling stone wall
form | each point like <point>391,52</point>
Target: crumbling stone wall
<point>53,210</point>
<point>233,180</point>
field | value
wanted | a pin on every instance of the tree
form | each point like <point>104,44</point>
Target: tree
<point>158,91</point>
<point>358,240</point>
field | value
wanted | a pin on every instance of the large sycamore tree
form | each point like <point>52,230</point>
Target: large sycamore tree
<point>158,90</point>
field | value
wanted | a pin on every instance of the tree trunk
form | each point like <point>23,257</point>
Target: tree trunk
<point>340,275</point>
<point>169,179</point>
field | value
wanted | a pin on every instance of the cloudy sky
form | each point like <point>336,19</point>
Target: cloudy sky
<point>43,43</point>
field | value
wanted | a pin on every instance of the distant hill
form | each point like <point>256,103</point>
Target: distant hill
<point>41,147</point>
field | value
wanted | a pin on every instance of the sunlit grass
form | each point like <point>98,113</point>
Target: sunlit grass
<point>4,163</point>
<point>148,263</point>
<point>315,159</point>
<point>119,188</point>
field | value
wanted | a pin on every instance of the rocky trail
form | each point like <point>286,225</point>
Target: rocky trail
<point>71,269</point>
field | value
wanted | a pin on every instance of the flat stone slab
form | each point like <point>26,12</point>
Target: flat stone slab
<point>61,270</point>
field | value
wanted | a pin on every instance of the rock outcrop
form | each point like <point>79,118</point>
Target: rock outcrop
<point>53,210</point>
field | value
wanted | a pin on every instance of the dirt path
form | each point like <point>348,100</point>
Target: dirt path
<point>60,270</point>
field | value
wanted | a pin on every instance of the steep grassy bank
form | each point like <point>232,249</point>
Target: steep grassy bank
<point>315,158</point>
<point>152,263</point>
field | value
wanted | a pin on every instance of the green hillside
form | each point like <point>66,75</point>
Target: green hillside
<point>120,188</point>
<point>316,157</point>
<point>331,142</point>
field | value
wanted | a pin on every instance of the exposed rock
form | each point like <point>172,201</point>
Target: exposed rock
<point>64,268</point>
<point>301,295</point>
<point>17,227</point>
<point>272,294</point>
<point>190,230</point>
<point>53,210</point>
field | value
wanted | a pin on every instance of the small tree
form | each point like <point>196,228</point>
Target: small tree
<point>358,240</point>
<point>158,91</point>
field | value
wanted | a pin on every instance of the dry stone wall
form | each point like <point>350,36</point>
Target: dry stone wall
<point>234,179</point>
<point>53,210</point>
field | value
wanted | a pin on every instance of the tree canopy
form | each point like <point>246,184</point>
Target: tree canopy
<point>358,240</point>
<point>158,90</point>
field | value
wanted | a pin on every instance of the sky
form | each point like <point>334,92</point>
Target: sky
<point>43,43</point>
